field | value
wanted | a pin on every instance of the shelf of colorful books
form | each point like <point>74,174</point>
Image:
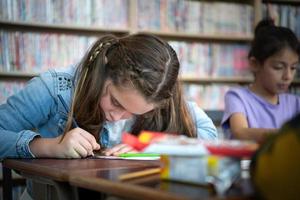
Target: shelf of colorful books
<point>217,20</point>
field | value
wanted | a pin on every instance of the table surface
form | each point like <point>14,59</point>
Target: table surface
<point>102,175</point>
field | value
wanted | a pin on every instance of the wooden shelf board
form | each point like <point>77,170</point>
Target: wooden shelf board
<point>43,27</point>
<point>223,80</point>
<point>188,80</point>
<point>17,75</point>
<point>216,80</point>
<point>201,36</point>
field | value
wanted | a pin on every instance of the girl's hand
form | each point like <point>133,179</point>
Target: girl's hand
<point>119,149</point>
<point>77,143</point>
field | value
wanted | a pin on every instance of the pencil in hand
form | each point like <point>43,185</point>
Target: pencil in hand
<point>139,174</point>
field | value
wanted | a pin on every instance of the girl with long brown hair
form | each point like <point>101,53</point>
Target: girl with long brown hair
<point>122,84</point>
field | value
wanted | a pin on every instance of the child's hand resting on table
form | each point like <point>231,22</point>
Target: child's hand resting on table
<point>119,149</point>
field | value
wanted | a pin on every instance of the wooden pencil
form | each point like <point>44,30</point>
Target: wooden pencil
<point>138,174</point>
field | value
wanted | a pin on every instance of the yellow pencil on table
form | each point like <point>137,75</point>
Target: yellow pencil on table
<point>139,174</point>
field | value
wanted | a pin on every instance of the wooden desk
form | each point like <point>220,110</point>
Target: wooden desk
<point>100,175</point>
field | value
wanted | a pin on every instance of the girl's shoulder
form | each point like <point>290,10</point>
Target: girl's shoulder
<point>59,81</point>
<point>195,110</point>
<point>239,92</point>
<point>289,98</point>
<point>193,106</point>
<point>59,73</point>
<point>62,78</point>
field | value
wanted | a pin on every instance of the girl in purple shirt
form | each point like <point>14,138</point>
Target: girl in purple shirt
<point>260,109</point>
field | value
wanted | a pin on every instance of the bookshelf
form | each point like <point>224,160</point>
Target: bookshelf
<point>127,19</point>
<point>284,13</point>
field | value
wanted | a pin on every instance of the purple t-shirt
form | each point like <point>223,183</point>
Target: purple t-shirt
<point>259,112</point>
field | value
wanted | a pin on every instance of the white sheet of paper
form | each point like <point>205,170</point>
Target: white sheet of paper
<point>127,158</point>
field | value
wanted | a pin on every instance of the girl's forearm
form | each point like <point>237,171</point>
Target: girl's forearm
<point>257,134</point>
<point>44,147</point>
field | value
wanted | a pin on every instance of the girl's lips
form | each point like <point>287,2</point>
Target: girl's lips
<point>283,87</point>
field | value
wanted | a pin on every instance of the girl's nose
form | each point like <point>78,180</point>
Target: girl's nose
<point>288,74</point>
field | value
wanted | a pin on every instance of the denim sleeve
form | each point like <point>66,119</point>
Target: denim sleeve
<point>21,115</point>
<point>205,127</point>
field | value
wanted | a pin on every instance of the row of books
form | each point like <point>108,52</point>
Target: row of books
<point>32,52</point>
<point>164,15</point>
<point>208,97</point>
<point>212,59</point>
<point>102,13</point>
<point>284,15</point>
<point>195,16</point>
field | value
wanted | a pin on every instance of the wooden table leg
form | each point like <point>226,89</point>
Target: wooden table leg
<point>7,183</point>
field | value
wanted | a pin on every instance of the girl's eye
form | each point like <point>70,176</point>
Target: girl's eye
<point>278,66</point>
<point>115,102</point>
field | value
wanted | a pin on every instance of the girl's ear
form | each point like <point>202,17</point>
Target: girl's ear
<point>254,65</point>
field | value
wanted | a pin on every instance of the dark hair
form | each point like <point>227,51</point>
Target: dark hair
<point>142,61</point>
<point>270,39</point>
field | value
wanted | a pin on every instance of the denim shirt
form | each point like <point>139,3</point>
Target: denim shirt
<point>36,111</point>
